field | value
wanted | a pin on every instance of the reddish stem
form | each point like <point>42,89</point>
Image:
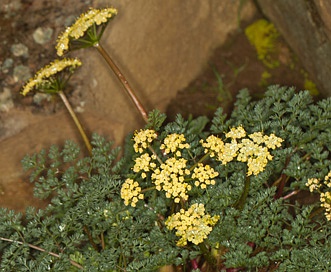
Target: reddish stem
<point>194,264</point>
<point>124,81</point>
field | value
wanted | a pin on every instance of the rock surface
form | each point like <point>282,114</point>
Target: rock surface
<point>160,46</point>
<point>306,26</point>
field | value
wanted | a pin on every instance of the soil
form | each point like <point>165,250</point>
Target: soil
<point>232,67</point>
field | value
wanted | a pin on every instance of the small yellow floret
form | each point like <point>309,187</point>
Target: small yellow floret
<point>254,151</point>
<point>213,145</point>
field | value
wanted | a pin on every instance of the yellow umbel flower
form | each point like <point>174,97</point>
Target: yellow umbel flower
<point>254,151</point>
<point>204,175</point>
<point>213,145</point>
<point>256,156</point>
<point>169,177</point>
<point>272,141</point>
<point>224,152</point>
<point>81,25</point>
<point>313,184</point>
<point>236,133</point>
<point>230,151</point>
<point>130,192</point>
<point>143,139</point>
<point>173,142</point>
<point>45,75</point>
<point>192,225</point>
<point>145,163</point>
<point>325,199</point>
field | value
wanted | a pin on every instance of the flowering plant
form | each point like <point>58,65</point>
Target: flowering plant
<point>188,195</point>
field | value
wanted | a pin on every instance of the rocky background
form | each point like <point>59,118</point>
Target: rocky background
<point>166,50</point>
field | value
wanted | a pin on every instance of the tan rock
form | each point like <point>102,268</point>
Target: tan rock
<point>160,46</point>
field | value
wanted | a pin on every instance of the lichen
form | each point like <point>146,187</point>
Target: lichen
<point>263,35</point>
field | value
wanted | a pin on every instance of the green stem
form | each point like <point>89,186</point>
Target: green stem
<point>207,255</point>
<point>201,160</point>
<point>124,81</point>
<point>40,249</point>
<point>76,120</point>
<point>241,201</point>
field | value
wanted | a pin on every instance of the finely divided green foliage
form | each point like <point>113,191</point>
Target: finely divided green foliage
<point>87,226</point>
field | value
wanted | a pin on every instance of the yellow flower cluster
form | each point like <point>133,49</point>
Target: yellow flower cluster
<point>192,225</point>
<point>142,139</point>
<point>143,163</point>
<point>254,150</point>
<point>172,175</point>
<point>271,141</point>
<point>315,185</point>
<point>255,155</point>
<point>173,142</point>
<point>83,23</point>
<point>325,199</point>
<point>236,133</point>
<point>204,175</point>
<point>130,192</point>
<point>44,74</point>
<point>169,177</point>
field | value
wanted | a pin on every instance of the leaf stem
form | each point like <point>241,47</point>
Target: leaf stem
<point>40,249</point>
<point>124,81</point>
<point>241,201</point>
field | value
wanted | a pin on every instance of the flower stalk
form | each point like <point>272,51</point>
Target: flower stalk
<point>52,79</point>
<point>241,201</point>
<point>87,32</point>
<point>208,256</point>
<point>76,121</point>
<point>123,81</point>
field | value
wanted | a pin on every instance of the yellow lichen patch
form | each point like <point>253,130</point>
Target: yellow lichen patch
<point>311,87</point>
<point>264,78</point>
<point>263,36</point>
